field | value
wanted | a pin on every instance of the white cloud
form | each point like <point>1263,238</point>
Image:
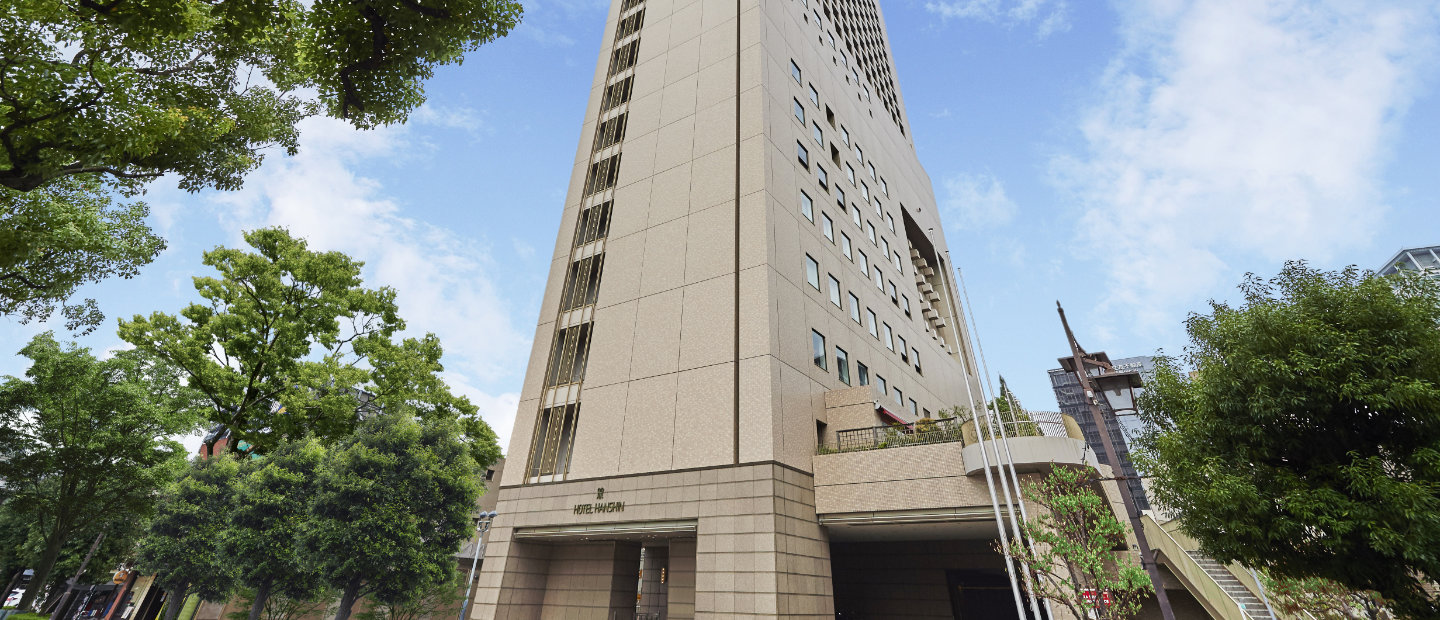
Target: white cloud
<point>1053,15</point>
<point>976,201</point>
<point>1232,131</point>
<point>443,281</point>
<point>448,117</point>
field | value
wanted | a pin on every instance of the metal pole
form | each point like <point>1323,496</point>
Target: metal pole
<point>1005,441</point>
<point>70,585</point>
<point>1147,556</point>
<point>481,527</point>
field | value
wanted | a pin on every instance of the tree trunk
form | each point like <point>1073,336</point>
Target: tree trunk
<point>176,602</point>
<point>42,572</point>
<point>347,599</point>
<point>262,594</point>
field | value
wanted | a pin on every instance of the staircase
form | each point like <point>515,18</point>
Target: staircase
<point>1251,604</point>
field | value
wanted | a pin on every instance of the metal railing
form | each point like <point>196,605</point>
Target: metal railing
<point>919,433</point>
<point>1039,424</point>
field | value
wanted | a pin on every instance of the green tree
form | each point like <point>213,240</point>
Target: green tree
<point>1075,536</point>
<point>1307,443</point>
<point>441,597</point>
<point>84,441</point>
<point>269,511</point>
<point>1017,420</point>
<point>134,90</point>
<point>100,96</point>
<point>289,343</point>
<point>182,546</point>
<point>1322,599</point>
<point>280,607</point>
<point>391,505</point>
<point>53,241</point>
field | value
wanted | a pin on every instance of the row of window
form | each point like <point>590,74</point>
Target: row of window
<point>857,256</point>
<point>891,340</point>
<point>797,74</point>
<point>842,371</point>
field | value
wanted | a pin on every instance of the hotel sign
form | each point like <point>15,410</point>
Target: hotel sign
<point>599,506</point>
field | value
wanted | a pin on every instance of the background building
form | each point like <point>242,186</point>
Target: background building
<point>1071,398</point>
<point>1425,260</point>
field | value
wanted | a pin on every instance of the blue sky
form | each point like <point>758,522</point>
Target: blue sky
<point>1130,160</point>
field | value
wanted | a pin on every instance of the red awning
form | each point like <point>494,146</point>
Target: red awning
<point>885,413</point>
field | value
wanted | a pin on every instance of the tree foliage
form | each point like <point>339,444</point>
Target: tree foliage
<point>269,511</point>
<point>69,234</point>
<point>134,89</point>
<point>391,505</point>
<point>1075,536</point>
<point>182,546</point>
<point>441,597</point>
<point>1307,443</point>
<point>83,440</point>
<point>289,343</point>
<point>1322,599</point>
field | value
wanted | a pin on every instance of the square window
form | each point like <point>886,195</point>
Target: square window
<point>842,365</point>
<point>854,308</point>
<point>835,291</point>
<point>827,226</point>
<point>845,246</point>
<point>814,96</point>
<point>824,178</point>
<point>802,154</point>
<point>850,174</point>
<point>889,338</point>
<point>799,111</point>
<point>870,322</point>
<point>817,134</point>
<point>817,346</point>
<point>795,71</point>
<point>807,206</point>
<point>862,373</point>
<point>812,272</point>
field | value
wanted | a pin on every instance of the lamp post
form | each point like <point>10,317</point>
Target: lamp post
<point>482,525</point>
<point>1117,388</point>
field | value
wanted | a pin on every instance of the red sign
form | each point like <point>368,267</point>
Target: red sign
<point>1089,596</point>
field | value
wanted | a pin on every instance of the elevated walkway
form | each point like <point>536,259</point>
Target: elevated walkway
<point>1226,592</point>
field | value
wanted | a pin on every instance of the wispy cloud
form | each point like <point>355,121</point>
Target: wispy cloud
<point>976,201</point>
<point>1049,16</point>
<point>444,281</point>
<point>1232,131</point>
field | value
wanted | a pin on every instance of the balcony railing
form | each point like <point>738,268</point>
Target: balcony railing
<point>945,430</point>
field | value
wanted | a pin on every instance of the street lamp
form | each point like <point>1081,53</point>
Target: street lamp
<point>1120,385</point>
<point>482,525</point>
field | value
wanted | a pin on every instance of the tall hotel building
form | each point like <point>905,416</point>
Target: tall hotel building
<point>749,283</point>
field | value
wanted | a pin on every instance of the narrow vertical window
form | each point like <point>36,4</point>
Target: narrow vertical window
<point>855,215</point>
<point>879,279</point>
<point>835,291</point>
<point>864,263</point>
<point>884,187</point>
<point>840,198</point>
<point>807,206</point>
<point>814,95</point>
<point>850,173</point>
<point>845,246</point>
<point>799,112</point>
<point>880,382</point>
<point>871,167</point>
<point>824,178</point>
<point>870,230</point>
<point>817,346</point>
<point>905,304</point>
<point>817,134</point>
<point>854,308</point>
<point>795,71</point>
<point>862,373</point>
<point>842,365</point>
<point>802,154</point>
<point>904,349</point>
<point>870,319</point>
<point>827,226</point>
<point>889,219</point>
<point>889,338</point>
<point>812,272</point>
<point>915,357</point>
<point>914,409</point>
<point>894,299</point>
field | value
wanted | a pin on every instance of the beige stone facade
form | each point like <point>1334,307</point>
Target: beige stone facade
<point>750,266</point>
